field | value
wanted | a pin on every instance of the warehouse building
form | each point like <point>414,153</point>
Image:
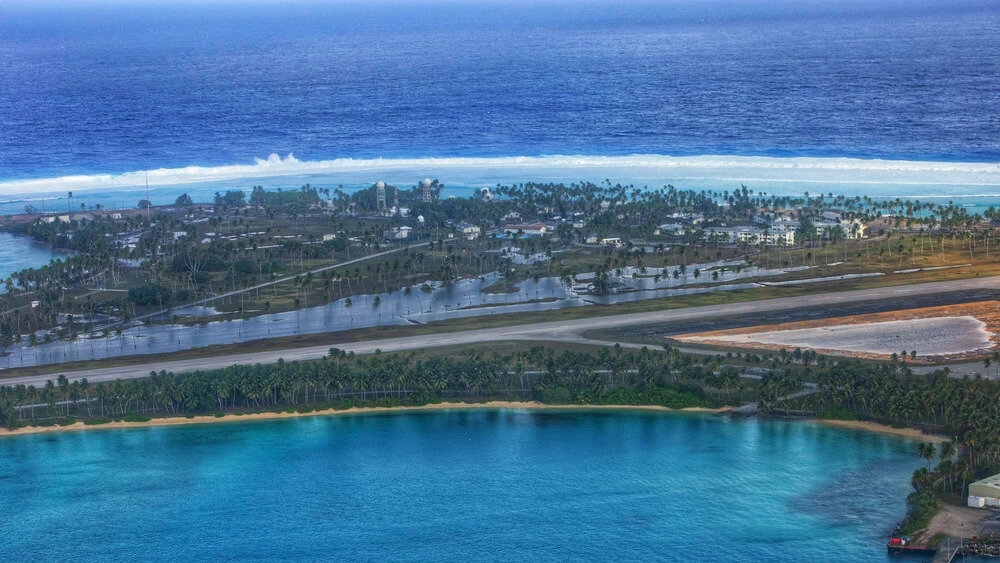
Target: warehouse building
<point>985,492</point>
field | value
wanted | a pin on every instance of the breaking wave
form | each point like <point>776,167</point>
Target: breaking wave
<point>640,168</point>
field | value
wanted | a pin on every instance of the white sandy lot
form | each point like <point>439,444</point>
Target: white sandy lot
<point>938,336</point>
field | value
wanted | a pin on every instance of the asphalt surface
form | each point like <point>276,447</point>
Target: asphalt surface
<point>569,331</point>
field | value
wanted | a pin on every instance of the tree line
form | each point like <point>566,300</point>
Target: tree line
<point>612,376</point>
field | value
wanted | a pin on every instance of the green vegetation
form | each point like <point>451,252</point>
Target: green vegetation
<point>610,376</point>
<point>922,505</point>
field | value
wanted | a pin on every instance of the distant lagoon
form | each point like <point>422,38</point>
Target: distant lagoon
<point>18,252</point>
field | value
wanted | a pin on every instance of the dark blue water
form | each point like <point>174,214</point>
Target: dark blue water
<point>109,90</point>
<point>456,486</point>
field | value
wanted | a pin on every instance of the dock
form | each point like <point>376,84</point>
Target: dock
<point>947,550</point>
<point>943,552</point>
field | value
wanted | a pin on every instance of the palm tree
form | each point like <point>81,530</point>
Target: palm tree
<point>927,451</point>
<point>947,450</point>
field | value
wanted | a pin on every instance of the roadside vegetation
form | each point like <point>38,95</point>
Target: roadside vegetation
<point>608,376</point>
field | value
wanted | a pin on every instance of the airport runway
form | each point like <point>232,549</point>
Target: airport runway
<point>569,331</point>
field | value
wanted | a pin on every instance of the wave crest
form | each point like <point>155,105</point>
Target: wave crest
<point>487,170</point>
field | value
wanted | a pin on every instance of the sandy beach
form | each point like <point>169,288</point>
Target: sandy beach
<point>529,405</point>
<point>884,429</point>
<point>211,419</point>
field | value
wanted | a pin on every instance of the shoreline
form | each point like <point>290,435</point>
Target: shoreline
<point>259,416</point>
<point>868,426</point>
<point>865,426</point>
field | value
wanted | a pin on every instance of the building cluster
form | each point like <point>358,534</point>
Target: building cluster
<point>782,230</point>
<point>513,226</point>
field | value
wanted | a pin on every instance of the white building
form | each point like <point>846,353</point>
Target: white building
<point>852,229</point>
<point>399,233</point>
<point>531,229</point>
<point>985,492</point>
<point>751,235</point>
<point>690,218</point>
<point>468,230</point>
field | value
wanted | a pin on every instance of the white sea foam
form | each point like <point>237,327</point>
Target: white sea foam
<point>776,173</point>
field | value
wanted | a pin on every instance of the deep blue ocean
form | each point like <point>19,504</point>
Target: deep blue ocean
<point>785,97</point>
<point>504,485</point>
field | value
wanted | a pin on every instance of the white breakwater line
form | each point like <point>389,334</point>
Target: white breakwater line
<point>650,167</point>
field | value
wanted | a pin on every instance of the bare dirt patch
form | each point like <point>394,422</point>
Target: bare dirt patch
<point>943,333</point>
<point>957,522</point>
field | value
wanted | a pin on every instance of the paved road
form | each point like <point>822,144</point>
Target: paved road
<point>544,331</point>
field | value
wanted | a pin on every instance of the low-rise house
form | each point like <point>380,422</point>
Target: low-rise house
<point>530,229</point>
<point>592,238</point>
<point>612,241</point>
<point>676,229</point>
<point>689,218</point>
<point>468,230</point>
<point>130,263</point>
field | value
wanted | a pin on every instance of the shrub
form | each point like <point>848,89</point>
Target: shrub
<point>149,294</point>
<point>922,506</point>
<point>836,413</point>
<point>97,421</point>
<point>555,395</point>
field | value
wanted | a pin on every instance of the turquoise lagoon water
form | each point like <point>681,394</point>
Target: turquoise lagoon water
<point>19,252</point>
<point>455,486</point>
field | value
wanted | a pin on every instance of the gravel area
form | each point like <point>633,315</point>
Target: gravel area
<point>929,337</point>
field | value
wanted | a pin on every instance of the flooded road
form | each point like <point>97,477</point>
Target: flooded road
<point>463,298</point>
